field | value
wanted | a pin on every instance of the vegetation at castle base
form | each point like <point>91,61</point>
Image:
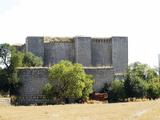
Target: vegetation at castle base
<point>117,91</point>
<point>68,81</point>
<point>10,59</point>
<point>140,81</point>
<point>30,60</point>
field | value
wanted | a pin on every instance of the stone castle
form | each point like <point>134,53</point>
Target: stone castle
<point>104,58</point>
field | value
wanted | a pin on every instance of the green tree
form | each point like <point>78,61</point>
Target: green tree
<point>137,78</point>
<point>142,71</point>
<point>153,90</point>
<point>4,86</point>
<point>5,54</point>
<point>31,60</point>
<point>117,92</point>
<point>67,80</point>
<point>16,61</point>
<point>10,59</point>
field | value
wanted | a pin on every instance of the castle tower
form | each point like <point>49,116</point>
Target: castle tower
<point>83,50</point>
<point>35,45</point>
<point>120,54</point>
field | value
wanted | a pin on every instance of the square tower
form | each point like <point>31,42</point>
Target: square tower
<point>120,54</point>
<point>35,45</point>
<point>83,50</point>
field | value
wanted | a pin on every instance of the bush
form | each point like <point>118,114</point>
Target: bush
<point>138,88</point>
<point>153,91</point>
<point>47,90</point>
<point>117,92</point>
<point>31,60</point>
<point>137,78</point>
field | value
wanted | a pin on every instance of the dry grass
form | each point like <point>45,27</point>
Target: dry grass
<point>148,110</point>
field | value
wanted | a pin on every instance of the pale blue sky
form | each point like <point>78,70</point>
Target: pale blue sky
<point>6,5</point>
<point>137,19</point>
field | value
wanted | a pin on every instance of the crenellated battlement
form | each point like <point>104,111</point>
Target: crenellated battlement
<point>112,51</point>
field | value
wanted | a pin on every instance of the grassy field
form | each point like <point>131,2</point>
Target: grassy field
<point>149,110</point>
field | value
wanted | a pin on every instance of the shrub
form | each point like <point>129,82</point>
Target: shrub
<point>31,60</point>
<point>117,92</point>
<point>136,88</point>
<point>153,90</point>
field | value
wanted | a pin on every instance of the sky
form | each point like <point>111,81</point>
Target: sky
<point>139,20</point>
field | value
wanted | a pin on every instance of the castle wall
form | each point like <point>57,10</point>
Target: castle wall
<point>108,56</point>
<point>83,50</point>
<point>33,80</point>
<point>54,52</point>
<point>35,45</point>
<point>101,52</point>
<point>101,76</point>
<point>120,54</point>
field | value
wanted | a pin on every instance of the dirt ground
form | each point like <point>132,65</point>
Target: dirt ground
<point>149,110</point>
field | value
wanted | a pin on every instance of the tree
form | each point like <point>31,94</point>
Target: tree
<point>31,60</point>
<point>137,78</point>
<point>67,80</point>
<point>4,86</point>
<point>5,54</point>
<point>10,59</point>
<point>143,71</point>
<point>117,92</point>
<point>153,90</point>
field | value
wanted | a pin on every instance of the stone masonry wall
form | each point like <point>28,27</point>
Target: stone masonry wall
<point>33,80</point>
<point>83,50</point>
<point>119,54</point>
<point>101,76</point>
<point>101,52</point>
<point>35,45</point>
<point>54,52</point>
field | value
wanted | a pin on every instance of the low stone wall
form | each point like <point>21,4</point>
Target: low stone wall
<point>5,101</point>
<point>33,99</point>
<point>33,80</point>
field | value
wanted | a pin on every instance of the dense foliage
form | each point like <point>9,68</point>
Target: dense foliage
<point>68,81</point>
<point>10,59</point>
<point>31,60</point>
<point>140,81</point>
<point>117,92</point>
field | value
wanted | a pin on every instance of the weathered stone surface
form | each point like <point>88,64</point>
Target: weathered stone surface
<point>104,58</point>
<point>101,52</point>
<point>54,52</point>
<point>120,54</point>
<point>83,50</point>
<point>101,76</point>
<point>35,45</point>
<point>33,80</point>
